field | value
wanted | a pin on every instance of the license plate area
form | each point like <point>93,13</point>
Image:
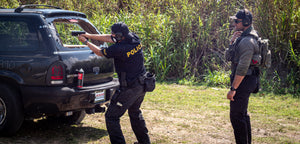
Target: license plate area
<point>99,96</point>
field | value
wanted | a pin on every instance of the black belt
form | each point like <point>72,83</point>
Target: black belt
<point>137,81</point>
<point>134,83</point>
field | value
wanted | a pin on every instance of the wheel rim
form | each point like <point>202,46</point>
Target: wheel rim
<point>2,111</point>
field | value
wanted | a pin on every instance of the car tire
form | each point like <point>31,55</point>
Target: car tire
<point>11,111</point>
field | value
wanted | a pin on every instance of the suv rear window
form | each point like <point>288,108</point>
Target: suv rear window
<point>18,34</point>
<point>64,31</point>
<point>64,27</point>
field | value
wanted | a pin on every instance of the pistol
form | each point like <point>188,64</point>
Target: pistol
<point>76,33</point>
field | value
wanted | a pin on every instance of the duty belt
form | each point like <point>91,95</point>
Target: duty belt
<point>251,70</point>
<point>137,81</point>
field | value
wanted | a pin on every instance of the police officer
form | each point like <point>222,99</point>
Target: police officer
<point>244,74</point>
<point>129,64</point>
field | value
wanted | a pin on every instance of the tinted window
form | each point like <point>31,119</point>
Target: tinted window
<point>18,35</point>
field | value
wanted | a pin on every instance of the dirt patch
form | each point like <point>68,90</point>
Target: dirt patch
<point>187,127</point>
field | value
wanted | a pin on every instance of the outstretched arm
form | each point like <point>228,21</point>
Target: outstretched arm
<point>93,47</point>
<point>102,37</point>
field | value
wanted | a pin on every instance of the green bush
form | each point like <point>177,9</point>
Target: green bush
<point>186,39</point>
<point>217,78</point>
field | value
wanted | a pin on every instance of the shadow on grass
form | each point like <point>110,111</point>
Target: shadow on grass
<point>49,131</point>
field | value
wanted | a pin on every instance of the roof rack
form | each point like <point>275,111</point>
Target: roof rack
<point>2,8</point>
<point>20,8</point>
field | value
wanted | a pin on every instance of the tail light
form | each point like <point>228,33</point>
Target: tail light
<point>56,74</point>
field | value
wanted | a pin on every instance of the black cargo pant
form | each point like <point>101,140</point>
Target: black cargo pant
<point>239,117</point>
<point>127,99</point>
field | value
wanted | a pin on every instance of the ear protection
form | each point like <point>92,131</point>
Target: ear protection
<point>246,21</point>
<point>118,36</point>
<point>119,30</point>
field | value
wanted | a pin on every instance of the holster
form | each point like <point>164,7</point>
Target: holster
<point>256,73</point>
<point>148,80</point>
<point>253,71</point>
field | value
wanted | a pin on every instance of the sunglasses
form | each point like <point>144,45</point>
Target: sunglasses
<point>237,21</point>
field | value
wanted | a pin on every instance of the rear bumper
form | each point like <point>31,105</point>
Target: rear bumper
<point>51,100</point>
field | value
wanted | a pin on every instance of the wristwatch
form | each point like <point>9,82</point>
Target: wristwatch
<point>232,88</point>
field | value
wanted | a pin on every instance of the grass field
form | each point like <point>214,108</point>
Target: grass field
<point>180,114</point>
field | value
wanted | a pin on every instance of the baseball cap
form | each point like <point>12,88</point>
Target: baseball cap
<point>242,14</point>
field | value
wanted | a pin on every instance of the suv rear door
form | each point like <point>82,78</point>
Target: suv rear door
<point>77,56</point>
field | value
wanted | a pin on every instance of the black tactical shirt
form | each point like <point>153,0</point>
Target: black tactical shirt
<point>128,57</point>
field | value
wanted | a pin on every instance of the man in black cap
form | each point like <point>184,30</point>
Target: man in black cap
<point>244,74</point>
<point>129,64</point>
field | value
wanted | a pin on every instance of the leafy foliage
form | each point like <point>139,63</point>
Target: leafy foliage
<point>186,39</point>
